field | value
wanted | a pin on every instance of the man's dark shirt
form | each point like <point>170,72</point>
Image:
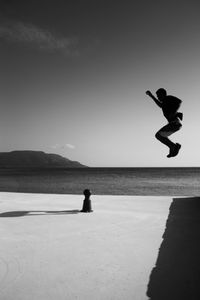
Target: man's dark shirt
<point>170,106</point>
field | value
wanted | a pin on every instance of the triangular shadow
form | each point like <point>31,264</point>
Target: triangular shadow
<point>176,275</point>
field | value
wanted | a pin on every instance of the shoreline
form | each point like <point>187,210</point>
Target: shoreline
<point>143,181</point>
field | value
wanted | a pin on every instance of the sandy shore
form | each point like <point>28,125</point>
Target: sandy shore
<point>49,250</point>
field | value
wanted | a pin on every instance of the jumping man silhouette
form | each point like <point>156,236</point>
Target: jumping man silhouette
<point>169,105</point>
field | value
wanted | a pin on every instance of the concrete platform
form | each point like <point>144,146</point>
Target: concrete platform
<point>49,250</point>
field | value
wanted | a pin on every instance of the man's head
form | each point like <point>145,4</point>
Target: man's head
<point>161,94</point>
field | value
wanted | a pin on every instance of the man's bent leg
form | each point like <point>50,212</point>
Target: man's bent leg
<point>162,137</point>
<point>164,132</point>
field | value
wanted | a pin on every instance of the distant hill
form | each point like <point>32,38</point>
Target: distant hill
<point>35,159</point>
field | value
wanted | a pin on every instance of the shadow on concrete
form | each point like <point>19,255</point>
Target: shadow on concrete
<point>177,271</point>
<point>11,214</point>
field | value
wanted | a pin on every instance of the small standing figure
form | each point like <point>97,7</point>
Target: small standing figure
<point>87,207</point>
<point>169,105</point>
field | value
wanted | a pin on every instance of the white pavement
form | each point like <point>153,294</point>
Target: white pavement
<point>50,251</point>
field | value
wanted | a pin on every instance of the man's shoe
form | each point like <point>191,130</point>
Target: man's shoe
<point>175,150</point>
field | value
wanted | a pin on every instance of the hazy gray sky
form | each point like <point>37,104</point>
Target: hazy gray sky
<point>73,76</point>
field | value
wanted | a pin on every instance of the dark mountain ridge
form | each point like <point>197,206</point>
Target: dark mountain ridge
<point>35,159</point>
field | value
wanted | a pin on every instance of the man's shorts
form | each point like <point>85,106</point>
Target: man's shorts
<point>170,128</point>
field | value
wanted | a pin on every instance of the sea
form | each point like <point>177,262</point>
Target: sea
<point>104,181</point>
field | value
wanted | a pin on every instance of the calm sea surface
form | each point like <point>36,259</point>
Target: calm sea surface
<point>113,181</point>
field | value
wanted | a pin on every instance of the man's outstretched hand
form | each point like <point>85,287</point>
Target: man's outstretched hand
<point>149,93</point>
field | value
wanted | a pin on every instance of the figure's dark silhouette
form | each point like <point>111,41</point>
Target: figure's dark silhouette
<point>87,206</point>
<point>169,105</point>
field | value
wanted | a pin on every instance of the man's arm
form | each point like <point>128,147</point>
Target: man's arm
<point>154,98</point>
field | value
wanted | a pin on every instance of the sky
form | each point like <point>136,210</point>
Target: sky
<point>73,76</point>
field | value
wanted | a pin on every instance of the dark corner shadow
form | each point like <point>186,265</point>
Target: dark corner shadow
<point>176,274</point>
<point>11,214</point>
